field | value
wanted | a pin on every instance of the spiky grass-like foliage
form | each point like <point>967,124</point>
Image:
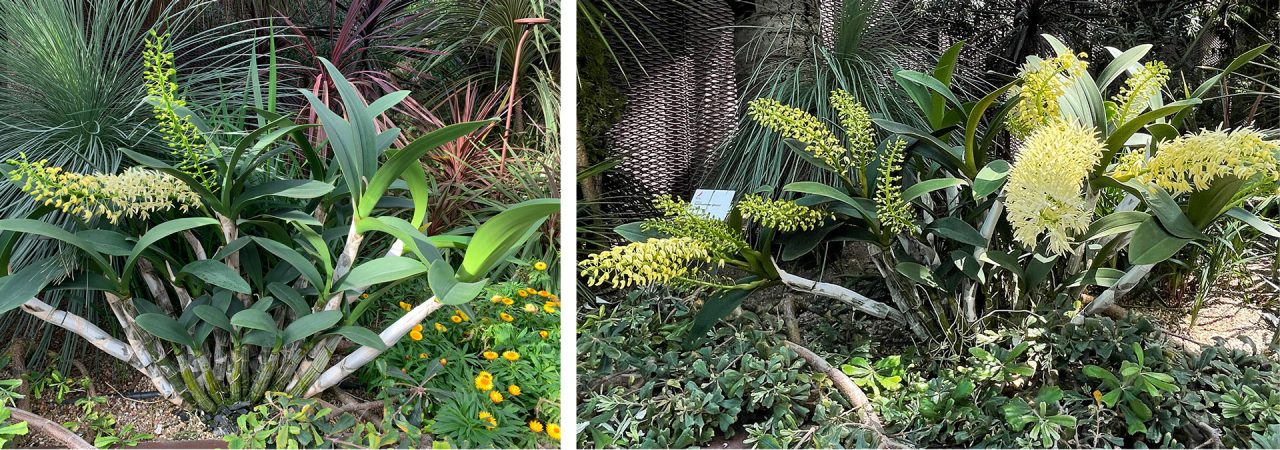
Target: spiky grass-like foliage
<point>870,42</point>
<point>73,95</point>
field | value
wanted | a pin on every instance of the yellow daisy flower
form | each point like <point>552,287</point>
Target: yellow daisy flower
<point>530,308</point>
<point>544,334</point>
<point>456,319</point>
<point>506,317</point>
<point>441,328</point>
<point>510,355</point>
<point>484,383</point>
<point>490,355</point>
<point>535,426</point>
<point>553,431</point>
<point>486,417</point>
<point>507,301</point>
<point>415,335</point>
<point>513,389</point>
<point>539,266</point>
<point>495,396</point>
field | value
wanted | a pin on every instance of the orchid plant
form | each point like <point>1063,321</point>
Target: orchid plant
<point>229,282</point>
<point>1099,192</point>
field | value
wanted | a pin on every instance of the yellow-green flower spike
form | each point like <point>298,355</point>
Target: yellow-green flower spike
<point>856,121</point>
<point>793,123</point>
<point>1192,162</point>
<point>680,219</point>
<point>781,215</point>
<point>135,193</point>
<point>653,262</point>
<point>185,142</point>
<point>1139,89</point>
<point>893,211</point>
<point>1044,192</point>
<point>1043,81</point>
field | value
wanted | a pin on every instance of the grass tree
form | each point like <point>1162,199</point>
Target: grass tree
<point>1101,190</point>
<point>228,283</point>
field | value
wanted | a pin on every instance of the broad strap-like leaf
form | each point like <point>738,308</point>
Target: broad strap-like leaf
<point>957,230</point>
<point>310,324</point>
<point>214,316</point>
<point>971,154</point>
<point>302,189</point>
<point>415,242</point>
<point>255,319</point>
<point>1254,221</point>
<point>717,306</point>
<point>1115,223</point>
<point>447,289</point>
<point>218,274</point>
<point>930,185</point>
<point>381,270</point>
<point>165,327</point>
<point>162,231</point>
<point>990,179</point>
<point>1209,83</point>
<point>21,286</point>
<point>823,190</point>
<point>1166,209</point>
<point>291,297</point>
<point>502,233</point>
<point>293,258</point>
<point>918,273</point>
<point>362,336</point>
<point>1121,64</point>
<point>109,242</point>
<point>36,227</point>
<point>1151,244</point>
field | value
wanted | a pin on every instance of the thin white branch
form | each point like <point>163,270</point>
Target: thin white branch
<point>364,355</point>
<point>103,341</point>
<point>81,327</point>
<point>1126,283</point>
<point>834,291</point>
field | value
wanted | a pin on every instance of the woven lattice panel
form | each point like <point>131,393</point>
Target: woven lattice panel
<point>681,97</point>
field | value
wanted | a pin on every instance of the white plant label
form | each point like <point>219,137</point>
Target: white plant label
<point>715,202</point>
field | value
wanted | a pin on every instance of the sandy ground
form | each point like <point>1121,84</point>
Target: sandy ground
<point>1238,310</point>
<point>154,416</point>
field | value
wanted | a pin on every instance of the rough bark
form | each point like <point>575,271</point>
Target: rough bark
<point>849,390</point>
<point>834,291</point>
<point>50,428</point>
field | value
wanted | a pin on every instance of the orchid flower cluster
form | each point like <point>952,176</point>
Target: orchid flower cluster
<point>185,142</point>
<point>135,193</point>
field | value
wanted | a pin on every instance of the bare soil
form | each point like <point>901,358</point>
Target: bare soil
<point>1239,312</point>
<point>111,379</point>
